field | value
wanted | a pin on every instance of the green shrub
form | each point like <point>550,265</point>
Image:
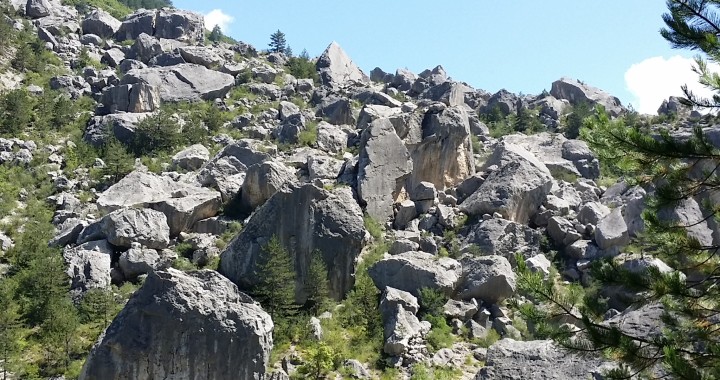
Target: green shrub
<point>440,336</point>
<point>373,227</point>
<point>301,67</point>
<point>159,132</point>
<point>308,137</point>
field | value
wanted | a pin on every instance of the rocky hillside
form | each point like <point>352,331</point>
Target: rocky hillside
<point>174,208</point>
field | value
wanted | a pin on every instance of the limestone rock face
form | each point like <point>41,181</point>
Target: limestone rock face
<point>444,157</point>
<point>489,278</point>
<point>183,204</point>
<point>515,190</point>
<point>560,155</point>
<point>183,82</point>
<point>383,167</point>
<point>88,265</point>
<point>337,69</point>
<point>100,23</point>
<point>262,180</point>
<point>163,23</point>
<point>144,226</point>
<point>193,325</point>
<point>136,98</point>
<point>540,359</point>
<point>578,92</point>
<point>412,271</point>
<point>505,238</point>
<point>38,8</point>
<point>304,218</point>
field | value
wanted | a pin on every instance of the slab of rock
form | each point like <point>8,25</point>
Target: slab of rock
<point>226,171</point>
<point>383,167</point>
<point>412,271</point>
<point>337,69</point>
<point>182,203</point>
<point>100,23</point>
<point>262,180</point>
<point>38,8</point>
<point>88,265</point>
<point>488,278</point>
<point>509,359</point>
<point>444,157</point>
<point>145,226</point>
<point>502,237</point>
<point>516,190</point>
<point>577,92</point>
<point>137,261</point>
<point>183,82</point>
<point>393,297</point>
<point>304,218</point>
<point>163,23</point>
<point>401,327</point>
<point>136,98</point>
<point>191,158</point>
<point>612,231</point>
<point>561,156</point>
<point>190,325</point>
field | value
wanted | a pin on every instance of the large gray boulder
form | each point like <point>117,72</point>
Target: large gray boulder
<point>444,157</point>
<point>382,169</point>
<point>502,237</point>
<point>262,180</point>
<point>337,69</point>
<point>120,125</point>
<point>191,158</point>
<point>38,8</point>
<point>488,278</point>
<point>137,261</point>
<point>577,92</point>
<point>100,23</point>
<point>145,226</point>
<point>172,24</point>
<point>182,203</point>
<point>561,156</point>
<point>612,231</point>
<point>184,82</point>
<point>88,265</point>
<point>412,271</point>
<point>192,325</point>
<point>515,190</point>
<point>539,360</point>
<point>304,219</point>
<point>226,171</point>
<point>401,330</point>
<point>135,98</point>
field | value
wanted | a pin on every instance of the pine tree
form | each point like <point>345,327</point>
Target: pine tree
<point>688,346</point>
<point>9,324</point>
<point>276,274</point>
<point>316,284</point>
<point>278,44</point>
<point>216,35</point>
<point>118,162</point>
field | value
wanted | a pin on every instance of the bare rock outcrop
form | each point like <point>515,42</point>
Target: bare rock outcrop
<point>193,325</point>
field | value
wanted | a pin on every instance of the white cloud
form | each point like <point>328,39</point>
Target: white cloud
<point>655,79</point>
<point>218,17</point>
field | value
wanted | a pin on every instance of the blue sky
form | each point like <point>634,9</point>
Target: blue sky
<point>519,45</point>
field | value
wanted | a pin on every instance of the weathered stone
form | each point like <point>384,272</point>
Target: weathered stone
<point>505,238</point>
<point>193,325</point>
<point>184,82</point>
<point>444,157</point>
<point>382,169</point>
<point>305,219</point>
<point>392,297</point>
<point>412,271</point>
<point>38,8</point>
<point>337,69</point>
<point>612,231</point>
<point>88,265</point>
<point>136,98</point>
<point>262,181</point>
<point>516,190</point>
<point>460,309</point>
<point>577,92</point>
<point>100,23</point>
<point>592,213</point>
<point>488,278</point>
<point>405,213</point>
<point>144,226</point>
<point>191,158</point>
<point>541,359</point>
